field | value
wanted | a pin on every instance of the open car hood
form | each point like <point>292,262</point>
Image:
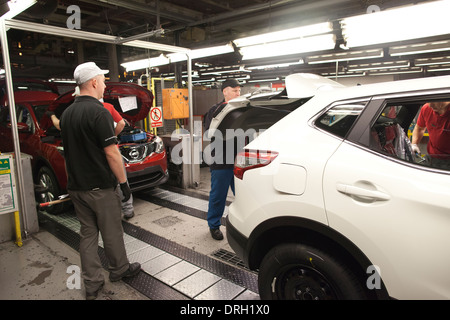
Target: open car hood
<point>260,111</point>
<point>132,101</point>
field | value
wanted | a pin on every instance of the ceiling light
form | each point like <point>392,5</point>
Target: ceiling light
<point>146,63</point>
<point>286,47</point>
<point>399,24</point>
<point>444,67</point>
<point>275,66</point>
<point>346,56</point>
<point>204,80</point>
<point>396,71</point>
<point>332,75</point>
<point>419,48</point>
<point>431,61</point>
<point>61,80</point>
<point>378,65</point>
<point>293,33</point>
<point>265,80</point>
<point>227,69</point>
<point>237,77</point>
<point>176,57</point>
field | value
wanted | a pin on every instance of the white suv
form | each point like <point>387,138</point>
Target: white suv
<point>331,201</point>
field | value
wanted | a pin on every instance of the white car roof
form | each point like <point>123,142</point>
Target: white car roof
<point>391,87</point>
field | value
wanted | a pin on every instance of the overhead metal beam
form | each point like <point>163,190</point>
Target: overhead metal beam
<point>135,6</point>
<point>90,36</point>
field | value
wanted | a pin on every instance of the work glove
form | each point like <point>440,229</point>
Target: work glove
<point>126,191</point>
<point>416,148</point>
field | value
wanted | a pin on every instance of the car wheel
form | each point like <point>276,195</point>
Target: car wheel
<point>301,272</point>
<point>47,179</point>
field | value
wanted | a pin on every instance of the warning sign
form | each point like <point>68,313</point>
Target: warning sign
<point>156,117</point>
<point>8,201</point>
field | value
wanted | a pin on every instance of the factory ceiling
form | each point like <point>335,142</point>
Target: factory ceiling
<point>190,24</point>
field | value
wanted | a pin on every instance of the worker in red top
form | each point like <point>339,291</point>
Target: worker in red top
<point>435,118</point>
<point>119,122</point>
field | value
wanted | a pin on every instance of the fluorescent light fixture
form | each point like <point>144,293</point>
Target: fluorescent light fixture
<point>431,61</point>
<point>226,69</point>
<point>379,65</point>
<point>275,66</point>
<point>201,53</point>
<point>399,24</point>
<point>265,80</point>
<point>17,7</point>
<point>204,80</point>
<point>419,48</point>
<point>211,51</point>
<point>343,75</point>
<point>237,77</point>
<point>146,63</point>
<point>287,47</point>
<point>287,34</point>
<point>61,80</point>
<point>346,56</point>
<point>176,57</point>
<point>396,71</point>
<point>444,67</point>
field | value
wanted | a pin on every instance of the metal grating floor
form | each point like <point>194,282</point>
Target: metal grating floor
<point>169,270</point>
<point>229,257</point>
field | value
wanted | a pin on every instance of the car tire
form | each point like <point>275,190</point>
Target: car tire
<point>302,272</point>
<point>47,179</point>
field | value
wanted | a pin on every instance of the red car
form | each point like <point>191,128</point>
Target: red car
<point>143,153</point>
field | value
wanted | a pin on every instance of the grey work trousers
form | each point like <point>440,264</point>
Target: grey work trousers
<point>99,210</point>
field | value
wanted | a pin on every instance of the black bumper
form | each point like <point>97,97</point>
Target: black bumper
<point>237,241</point>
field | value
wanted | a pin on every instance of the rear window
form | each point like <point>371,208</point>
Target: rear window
<point>339,119</point>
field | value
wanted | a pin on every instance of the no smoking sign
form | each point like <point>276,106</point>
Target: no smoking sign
<point>156,117</point>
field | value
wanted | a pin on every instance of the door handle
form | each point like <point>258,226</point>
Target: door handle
<point>362,193</point>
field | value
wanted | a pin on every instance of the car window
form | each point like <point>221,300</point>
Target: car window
<point>392,134</point>
<point>24,116</point>
<point>39,111</point>
<point>339,119</point>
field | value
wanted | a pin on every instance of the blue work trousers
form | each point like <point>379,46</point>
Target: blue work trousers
<point>221,180</point>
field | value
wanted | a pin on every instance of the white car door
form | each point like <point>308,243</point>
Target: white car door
<point>398,214</point>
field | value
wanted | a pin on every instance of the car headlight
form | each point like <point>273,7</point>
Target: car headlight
<point>159,144</point>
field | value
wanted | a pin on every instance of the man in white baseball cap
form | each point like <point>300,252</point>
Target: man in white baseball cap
<point>94,169</point>
<point>86,71</point>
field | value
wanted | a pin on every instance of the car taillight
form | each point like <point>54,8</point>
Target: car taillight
<point>251,159</point>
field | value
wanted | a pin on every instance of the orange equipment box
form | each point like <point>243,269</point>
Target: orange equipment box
<point>175,103</point>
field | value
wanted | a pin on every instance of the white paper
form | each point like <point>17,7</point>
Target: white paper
<point>128,103</point>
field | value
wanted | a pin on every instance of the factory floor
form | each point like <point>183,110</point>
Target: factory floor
<point>169,237</point>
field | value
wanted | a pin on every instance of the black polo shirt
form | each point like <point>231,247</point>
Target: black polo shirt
<point>86,128</point>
